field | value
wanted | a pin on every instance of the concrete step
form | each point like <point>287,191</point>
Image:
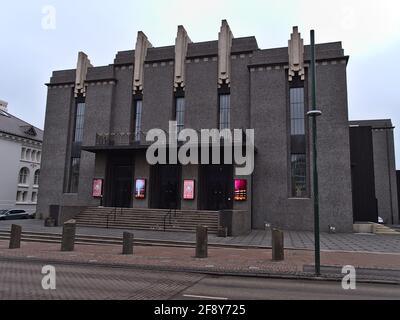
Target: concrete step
<point>148,219</point>
<point>384,230</point>
<point>148,216</point>
<point>147,209</point>
<point>146,227</point>
<point>189,222</point>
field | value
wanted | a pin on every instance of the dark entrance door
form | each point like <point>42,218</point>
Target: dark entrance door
<point>216,190</point>
<point>165,187</point>
<point>120,184</point>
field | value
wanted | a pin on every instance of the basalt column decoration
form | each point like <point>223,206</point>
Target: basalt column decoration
<point>142,44</point>
<point>296,55</point>
<point>224,54</point>
<point>81,73</point>
<point>181,47</point>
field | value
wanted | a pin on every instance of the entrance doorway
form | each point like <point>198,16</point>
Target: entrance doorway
<point>216,187</point>
<point>120,184</point>
<point>165,187</point>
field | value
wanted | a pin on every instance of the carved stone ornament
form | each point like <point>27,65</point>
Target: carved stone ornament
<point>181,47</point>
<point>142,44</point>
<point>296,55</point>
<point>81,73</point>
<point>224,54</point>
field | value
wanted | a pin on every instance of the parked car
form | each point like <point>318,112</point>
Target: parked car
<point>15,214</point>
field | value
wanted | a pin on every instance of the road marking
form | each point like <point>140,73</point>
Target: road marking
<point>254,268</point>
<point>204,297</point>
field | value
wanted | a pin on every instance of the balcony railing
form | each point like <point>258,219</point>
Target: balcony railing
<point>118,139</point>
<point>132,138</point>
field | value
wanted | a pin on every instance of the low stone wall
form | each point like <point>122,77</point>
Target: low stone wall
<point>62,214</point>
<point>363,228</point>
<point>238,222</point>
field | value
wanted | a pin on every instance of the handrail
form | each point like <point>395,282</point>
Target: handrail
<point>169,214</point>
<point>165,219</point>
<point>114,212</point>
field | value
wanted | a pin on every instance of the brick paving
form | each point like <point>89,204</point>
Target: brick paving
<point>22,281</point>
<point>293,239</point>
<point>220,259</point>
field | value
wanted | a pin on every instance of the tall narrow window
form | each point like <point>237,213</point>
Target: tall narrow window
<point>224,111</point>
<point>297,111</point>
<point>138,119</point>
<point>79,121</point>
<point>74,175</point>
<point>298,157</point>
<point>298,164</point>
<point>23,176</point>
<point>76,146</point>
<point>36,178</point>
<point>180,113</point>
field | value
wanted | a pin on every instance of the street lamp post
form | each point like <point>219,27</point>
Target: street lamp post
<point>313,114</point>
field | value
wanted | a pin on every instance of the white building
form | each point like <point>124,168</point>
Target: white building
<point>20,152</point>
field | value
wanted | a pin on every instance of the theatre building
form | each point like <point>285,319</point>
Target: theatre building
<point>97,119</point>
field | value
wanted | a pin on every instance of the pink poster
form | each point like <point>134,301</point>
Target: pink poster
<point>97,188</point>
<point>188,190</point>
<point>240,190</point>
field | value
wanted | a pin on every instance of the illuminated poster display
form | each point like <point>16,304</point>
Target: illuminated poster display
<point>97,190</point>
<point>188,190</point>
<point>140,189</point>
<point>240,190</point>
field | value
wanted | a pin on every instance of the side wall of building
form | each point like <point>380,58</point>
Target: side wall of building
<point>54,151</point>
<point>9,169</point>
<point>384,167</point>
<point>385,175</point>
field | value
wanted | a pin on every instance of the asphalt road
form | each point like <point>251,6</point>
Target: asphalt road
<point>23,281</point>
<point>236,288</point>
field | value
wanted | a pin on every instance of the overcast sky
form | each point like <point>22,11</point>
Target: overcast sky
<point>32,46</point>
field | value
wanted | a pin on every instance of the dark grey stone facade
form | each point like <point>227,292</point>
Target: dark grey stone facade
<point>384,167</point>
<point>259,100</point>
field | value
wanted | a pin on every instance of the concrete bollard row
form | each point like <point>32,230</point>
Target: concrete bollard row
<point>68,236</point>
<point>128,239</point>
<point>202,242</point>
<point>278,246</point>
<point>15,237</point>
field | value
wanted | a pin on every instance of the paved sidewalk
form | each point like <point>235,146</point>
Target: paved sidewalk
<point>257,238</point>
<point>221,260</point>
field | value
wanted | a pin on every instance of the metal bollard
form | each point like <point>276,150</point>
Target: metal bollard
<point>278,247</point>
<point>202,242</point>
<point>68,236</point>
<point>128,239</point>
<point>15,237</point>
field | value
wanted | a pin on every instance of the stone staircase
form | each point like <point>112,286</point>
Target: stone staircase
<point>148,219</point>
<point>381,229</point>
<point>375,228</point>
